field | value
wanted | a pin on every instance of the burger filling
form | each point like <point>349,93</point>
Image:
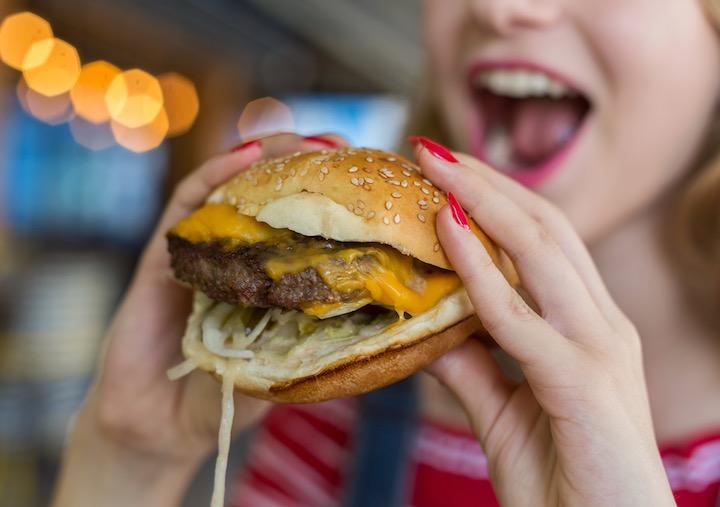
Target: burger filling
<point>272,287</point>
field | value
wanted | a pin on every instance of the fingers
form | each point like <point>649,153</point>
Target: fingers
<point>472,375</point>
<point>503,313</point>
<point>558,226</point>
<point>545,270</point>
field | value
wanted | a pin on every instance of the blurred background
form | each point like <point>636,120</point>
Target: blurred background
<point>104,106</point>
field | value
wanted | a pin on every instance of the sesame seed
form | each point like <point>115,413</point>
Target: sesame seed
<point>369,180</point>
<point>396,195</point>
<point>354,181</point>
<point>321,176</point>
<point>297,154</point>
<point>396,218</point>
<point>369,159</point>
<point>436,200</point>
<point>425,191</point>
<point>436,193</point>
<point>278,184</point>
<point>421,217</point>
<point>293,172</point>
<point>279,167</point>
<point>388,204</point>
<point>350,207</point>
<point>324,170</point>
<point>416,183</point>
<point>351,152</point>
<point>371,214</point>
<point>267,170</point>
<point>323,152</point>
<point>353,169</point>
<point>360,203</point>
<point>394,182</point>
<point>406,172</point>
<point>233,200</point>
<point>391,159</point>
<point>358,211</point>
<point>365,169</point>
<point>427,181</point>
<point>422,202</point>
<point>361,181</point>
<point>404,183</point>
<point>386,220</point>
<point>436,247</point>
<point>366,187</point>
<point>303,171</point>
<point>317,162</point>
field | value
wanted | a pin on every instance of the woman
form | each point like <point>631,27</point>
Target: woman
<point>616,142</point>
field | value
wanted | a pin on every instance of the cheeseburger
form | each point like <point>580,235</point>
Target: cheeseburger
<point>320,275</point>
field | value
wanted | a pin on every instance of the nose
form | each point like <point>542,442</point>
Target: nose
<point>507,16</point>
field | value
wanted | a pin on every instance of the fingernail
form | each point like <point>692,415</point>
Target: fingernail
<point>245,145</point>
<point>322,140</point>
<point>457,212</point>
<point>436,149</point>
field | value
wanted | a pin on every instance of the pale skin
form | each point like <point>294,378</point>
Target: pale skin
<point>579,430</point>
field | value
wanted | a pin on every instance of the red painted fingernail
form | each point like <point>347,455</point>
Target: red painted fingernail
<point>245,145</point>
<point>457,212</point>
<point>436,149</point>
<point>322,140</point>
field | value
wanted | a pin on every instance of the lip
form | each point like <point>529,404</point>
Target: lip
<point>537,175</point>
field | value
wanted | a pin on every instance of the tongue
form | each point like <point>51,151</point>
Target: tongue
<point>540,126</point>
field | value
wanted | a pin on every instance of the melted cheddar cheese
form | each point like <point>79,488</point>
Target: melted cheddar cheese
<point>215,222</point>
<point>389,277</point>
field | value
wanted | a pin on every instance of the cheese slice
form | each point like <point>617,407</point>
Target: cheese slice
<point>379,272</point>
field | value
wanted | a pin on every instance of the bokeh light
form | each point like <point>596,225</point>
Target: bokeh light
<point>88,94</point>
<point>144,138</point>
<point>92,135</point>
<point>17,35</point>
<point>265,116</point>
<point>51,67</point>
<point>51,110</point>
<point>134,99</point>
<point>181,102</point>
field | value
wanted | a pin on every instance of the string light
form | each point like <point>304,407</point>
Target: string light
<point>88,94</point>
<point>102,104</point>
<point>134,98</point>
<point>144,138</point>
<point>265,116</point>
<point>18,33</point>
<point>51,67</point>
<point>181,102</point>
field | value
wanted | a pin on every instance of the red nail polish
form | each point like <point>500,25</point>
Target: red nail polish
<point>246,144</point>
<point>436,149</point>
<point>457,212</point>
<point>322,140</point>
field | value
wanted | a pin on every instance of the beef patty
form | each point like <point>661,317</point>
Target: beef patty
<point>237,276</point>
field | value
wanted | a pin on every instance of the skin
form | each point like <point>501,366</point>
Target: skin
<point>579,430</point>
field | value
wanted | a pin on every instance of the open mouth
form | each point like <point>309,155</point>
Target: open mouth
<point>527,120</point>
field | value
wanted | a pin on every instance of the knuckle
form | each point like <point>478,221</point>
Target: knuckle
<point>537,239</point>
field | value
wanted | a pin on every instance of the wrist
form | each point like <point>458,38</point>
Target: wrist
<point>100,470</point>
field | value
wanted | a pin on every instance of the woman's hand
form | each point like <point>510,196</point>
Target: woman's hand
<point>139,437</point>
<point>578,430</point>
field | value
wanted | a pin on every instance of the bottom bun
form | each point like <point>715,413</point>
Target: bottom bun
<point>335,369</point>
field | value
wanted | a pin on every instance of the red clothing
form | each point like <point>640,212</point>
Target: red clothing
<point>301,452</point>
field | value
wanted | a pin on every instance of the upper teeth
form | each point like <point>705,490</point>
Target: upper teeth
<point>522,83</point>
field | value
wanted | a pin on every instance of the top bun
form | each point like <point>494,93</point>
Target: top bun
<point>349,194</point>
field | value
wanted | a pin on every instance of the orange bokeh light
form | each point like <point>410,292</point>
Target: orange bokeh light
<point>51,67</point>
<point>17,35</point>
<point>134,99</point>
<point>144,138</point>
<point>265,116</point>
<point>181,102</point>
<point>88,94</point>
<point>92,135</point>
<point>51,110</point>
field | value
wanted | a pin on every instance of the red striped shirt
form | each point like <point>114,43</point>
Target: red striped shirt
<point>301,452</point>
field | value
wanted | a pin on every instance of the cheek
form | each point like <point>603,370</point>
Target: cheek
<point>660,95</point>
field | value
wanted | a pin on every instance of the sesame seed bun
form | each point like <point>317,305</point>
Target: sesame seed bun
<point>350,194</point>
